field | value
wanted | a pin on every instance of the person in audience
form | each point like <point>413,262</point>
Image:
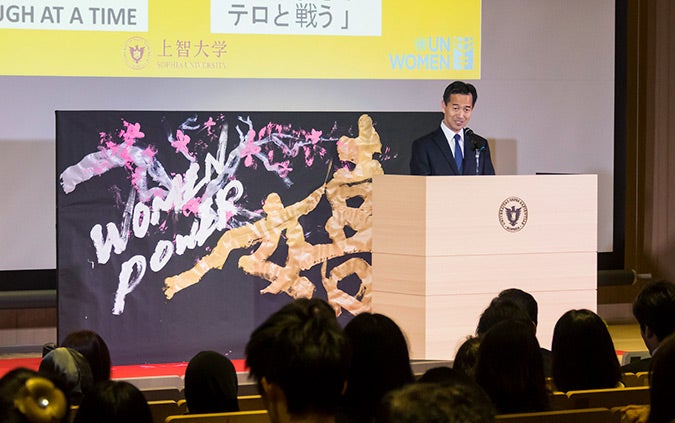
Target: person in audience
<point>71,369</point>
<point>441,374</point>
<point>583,353</point>
<point>431,402</point>
<point>661,389</point>
<point>380,363</point>
<point>662,386</point>
<point>528,303</point>
<point>28,397</point>
<point>524,299</point>
<point>467,356</point>
<point>510,368</point>
<point>94,349</point>
<point>210,384</point>
<point>448,376</point>
<point>112,401</point>
<point>654,309</point>
<point>299,358</point>
<point>499,310</point>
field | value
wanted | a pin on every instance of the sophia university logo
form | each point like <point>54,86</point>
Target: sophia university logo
<point>136,52</point>
<point>513,214</point>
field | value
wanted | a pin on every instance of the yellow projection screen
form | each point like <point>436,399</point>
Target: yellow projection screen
<point>336,39</point>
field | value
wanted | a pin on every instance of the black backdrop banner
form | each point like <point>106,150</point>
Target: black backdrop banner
<point>182,231</point>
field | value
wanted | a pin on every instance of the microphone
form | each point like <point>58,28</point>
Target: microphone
<point>477,144</point>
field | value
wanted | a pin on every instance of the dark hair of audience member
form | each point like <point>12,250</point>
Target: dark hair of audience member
<point>583,353</point>
<point>210,384</point>
<point>380,363</point>
<point>654,307</point>
<point>94,349</point>
<point>28,397</point>
<point>510,368</point>
<point>501,309</point>
<point>441,374</point>
<point>70,369</point>
<point>302,350</point>
<point>467,357</point>
<point>448,376</point>
<point>524,299</point>
<point>436,403</point>
<point>114,402</point>
<point>662,387</point>
<point>528,303</point>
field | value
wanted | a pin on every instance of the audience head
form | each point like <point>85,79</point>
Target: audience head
<point>654,309</point>
<point>441,374</point>
<point>524,299</point>
<point>436,403</point>
<point>114,402</point>
<point>662,388</point>
<point>70,369</point>
<point>380,362</point>
<point>27,397</point>
<point>94,349</point>
<point>210,384</point>
<point>583,353</point>
<point>299,356</point>
<point>467,357</point>
<point>499,310</point>
<point>510,368</point>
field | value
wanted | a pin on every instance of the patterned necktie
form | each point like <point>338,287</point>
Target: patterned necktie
<point>458,153</point>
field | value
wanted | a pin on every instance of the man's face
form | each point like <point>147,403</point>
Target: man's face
<point>457,111</point>
<point>650,338</point>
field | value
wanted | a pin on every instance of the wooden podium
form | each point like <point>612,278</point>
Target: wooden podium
<point>444,246</point>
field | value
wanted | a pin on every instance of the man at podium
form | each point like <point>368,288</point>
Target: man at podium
<point>453,149</point>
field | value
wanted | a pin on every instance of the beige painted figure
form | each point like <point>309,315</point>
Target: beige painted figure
<point>283,220</point>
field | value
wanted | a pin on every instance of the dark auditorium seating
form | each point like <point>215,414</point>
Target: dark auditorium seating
<point>159,394</point>
<point>608,398</point>
<point>238,417</point>
<point>160,410</point>
<point>589,415</point>
<point>250,403</point>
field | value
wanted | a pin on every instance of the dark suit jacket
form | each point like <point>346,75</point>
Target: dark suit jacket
<point>431,155</point>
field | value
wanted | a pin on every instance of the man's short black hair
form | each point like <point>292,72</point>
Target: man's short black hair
<point>654,307</point>
<point>432,402</point>
<point>499,310</point>
<point>459,87</point>
<point>523,299</point>
<point>302,349</point>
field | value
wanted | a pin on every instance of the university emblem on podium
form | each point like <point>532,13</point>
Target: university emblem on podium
<point>513,214</point>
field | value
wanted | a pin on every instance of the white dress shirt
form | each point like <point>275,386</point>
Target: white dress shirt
<point>450,135</point>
